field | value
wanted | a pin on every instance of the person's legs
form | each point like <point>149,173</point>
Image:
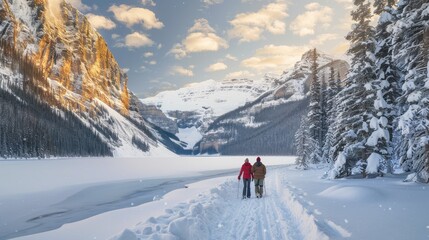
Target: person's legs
<point>261,187</point>
<point>256,187</point>
<point>248,188</point>
<point>244,187</point>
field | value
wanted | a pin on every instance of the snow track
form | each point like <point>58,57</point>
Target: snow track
<point>265,218</point>
<point>219,214</point>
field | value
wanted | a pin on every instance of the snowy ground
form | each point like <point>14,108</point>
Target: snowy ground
<point>298,205</point>
<point>42,195</point>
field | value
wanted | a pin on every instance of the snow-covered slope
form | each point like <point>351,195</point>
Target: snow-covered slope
<point>210,97</point>
<point>52,50</point>
<point>195,106</point>
<point>268,124</point>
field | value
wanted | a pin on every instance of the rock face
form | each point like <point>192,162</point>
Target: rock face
<point>81,72</point>
<point>268,124</point>
<point>156,116</point>
<point>61,41</point>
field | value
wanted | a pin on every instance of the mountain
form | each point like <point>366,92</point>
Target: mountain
<point>231,116</point>
<point>52,55</point>
<point>194,107</point>
<point>267,125</point>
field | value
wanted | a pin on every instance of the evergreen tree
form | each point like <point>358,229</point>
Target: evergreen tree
<point>385,84</point>
<point>339,84</point>
<point>331,93</point>
<point>302,138</point>
<point>356,100</point>
<point>324,109</point>
<point>381,5</point>
<point>314,116</point>
<point>410,55</point>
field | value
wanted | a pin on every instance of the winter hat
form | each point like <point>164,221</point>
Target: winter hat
<point>258,159</point>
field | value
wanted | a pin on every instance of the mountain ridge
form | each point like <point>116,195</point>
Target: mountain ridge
<point>290,85</point>
<point>266,126</point>
<point>78,73</point>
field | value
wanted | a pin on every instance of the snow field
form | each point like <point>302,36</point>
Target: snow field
<point>82,198</point>
<point>297,205</point>
<point>219,214</point>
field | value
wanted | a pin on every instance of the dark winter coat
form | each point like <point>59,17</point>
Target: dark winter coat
<point>259,170</point>
<point>246,170</point>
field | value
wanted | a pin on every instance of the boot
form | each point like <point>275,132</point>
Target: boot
<point>257,191</point>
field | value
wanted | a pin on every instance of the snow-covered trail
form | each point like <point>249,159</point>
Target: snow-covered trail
<point>220,214</point>
<point>265,218</point>
<point>298,205</point>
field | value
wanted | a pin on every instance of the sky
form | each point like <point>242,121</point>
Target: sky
<point>166,44</point>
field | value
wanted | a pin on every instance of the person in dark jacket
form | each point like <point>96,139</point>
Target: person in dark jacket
<point>246,171</point>
<point>259,172</point>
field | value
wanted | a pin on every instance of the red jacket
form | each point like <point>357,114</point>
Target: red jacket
<point>246,170</point>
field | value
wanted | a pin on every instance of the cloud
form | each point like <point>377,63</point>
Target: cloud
<point>148,54</point>
<point>348,4</point>
<point>217,67</point>
<point>148,3</point>
<point>341,48</point>
<point>100,22</point>
<point>115,36</point>
<point>315,15</point>
<point>79,5</point>
<point>201,42</point>
<point>323,38</point>
<point>230,57</point>
<point>201,25</point>
<point>179,70</point>
<point>249,26</point>
<point>125,70</point>
<point>178,51</point>
<point>137,40</point>
<point>201,38</point>
<point>211,2</point>
<point>346,23</point>
<point>133,15</point>
<point>153,62</point>
<point>239,75</point>
<point>275,57</point>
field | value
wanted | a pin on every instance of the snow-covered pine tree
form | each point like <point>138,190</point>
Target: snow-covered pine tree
<point>386,85</point>
<point>331,92</point>
<point>381,5</point>
<point>314,116</point>
<point>301,142</point>
<point>336,130</point>
<point>339,84</point>
<point>410,55</point>
<point>356,100</point>
<point>324,109</point>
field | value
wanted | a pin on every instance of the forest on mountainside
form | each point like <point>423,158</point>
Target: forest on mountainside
<point>29,126</point>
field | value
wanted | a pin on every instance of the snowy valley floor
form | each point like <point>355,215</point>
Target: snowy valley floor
<point>298,205</point>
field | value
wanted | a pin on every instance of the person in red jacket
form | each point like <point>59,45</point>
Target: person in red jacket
<point>246,170</point>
